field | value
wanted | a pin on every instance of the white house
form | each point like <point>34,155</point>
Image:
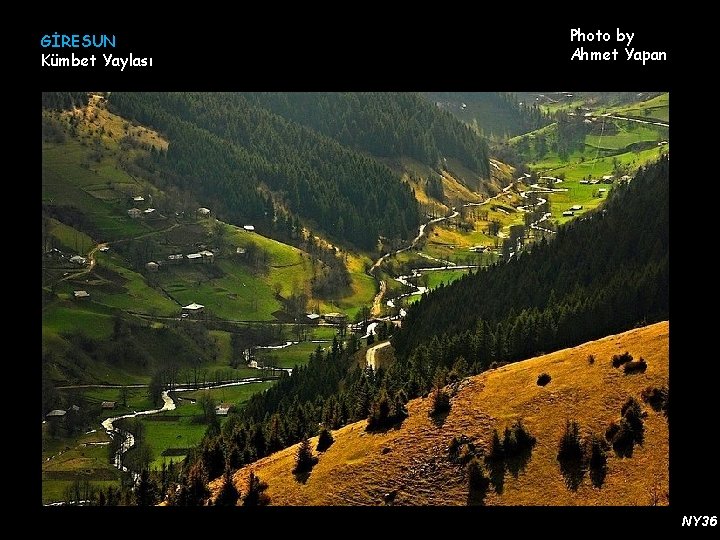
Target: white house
<point>249,228</point>
<point>81,294</point>
<point>193,309</point>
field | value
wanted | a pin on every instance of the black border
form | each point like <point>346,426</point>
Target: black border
<point>450,48</point>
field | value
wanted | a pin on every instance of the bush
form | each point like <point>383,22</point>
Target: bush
<point>635,367</point>
<point>523,437</point>
<point>441,402</point>
<point>569,448</point>
<point>517,439</point>
<point>634,415</point>
<point>591,359</point>
<point>620,359</point>
<point>611,431</point>
<point>630,430</point>
<point>454,448</point>
<point>657,398</point>
<point>543,379</point>
<point>385,412</point>
<point>325,440</point>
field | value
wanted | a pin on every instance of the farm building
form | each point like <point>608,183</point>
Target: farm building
<point>584,182</point>
<point>194,257</point>
<point>249,228</point>
<point>81,294</point>
<point>568,213</point>
<point>138,199</point>
<point>193,309</point>
<point>240,251</point>
<point>207,256</point>
<point>608,179</point>
<point>150,212</point>
<point>152,266</point>
<point>134,213</point>
<point>313,318</point>
<point>576,207</point>
<point>108,405</point>
<point>77,259</point>
<point>203,212</point>
<point>175,259</point>
<point>56,413</point>
<point>222,409</point>
<point>335,318</point>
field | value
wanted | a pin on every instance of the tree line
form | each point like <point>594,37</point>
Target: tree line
<point>603,274</point>
<point>385,124</point>
<point>224,148</point>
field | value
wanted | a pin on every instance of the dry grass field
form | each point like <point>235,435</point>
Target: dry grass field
<point>412,460</point>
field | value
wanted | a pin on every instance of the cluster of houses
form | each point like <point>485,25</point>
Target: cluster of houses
<point>204,256</point>
<point>572,210</point>
<point>60,414</point>
<point>607,179</point>
<point>137,213</point>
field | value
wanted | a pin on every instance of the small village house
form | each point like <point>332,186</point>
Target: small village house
<point>335,318</point>
<point>222,409</point>
<point>193,309</point>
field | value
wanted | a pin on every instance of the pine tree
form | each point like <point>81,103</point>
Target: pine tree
<point>229,494</point>
<point>325,440</point>
<point>496,451</point>
<point>256,495</point>
<point>305,460</point>
<point>440,402</point>
<point>477,480</point>
<point>569,448</point>
<point>146,490</point>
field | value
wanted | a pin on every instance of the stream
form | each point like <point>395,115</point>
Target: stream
<point>168,405</point>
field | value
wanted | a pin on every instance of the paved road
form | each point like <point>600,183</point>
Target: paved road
<point>370,354</point>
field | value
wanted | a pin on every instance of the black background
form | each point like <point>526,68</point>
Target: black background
<point>441,48</point>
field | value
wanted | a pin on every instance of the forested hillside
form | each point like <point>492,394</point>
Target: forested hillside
<point>603,274</point>
<point>248,163</point>
<point>383,124</point>
<point>496,113</point>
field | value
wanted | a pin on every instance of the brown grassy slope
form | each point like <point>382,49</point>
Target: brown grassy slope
<point>360,467</point>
